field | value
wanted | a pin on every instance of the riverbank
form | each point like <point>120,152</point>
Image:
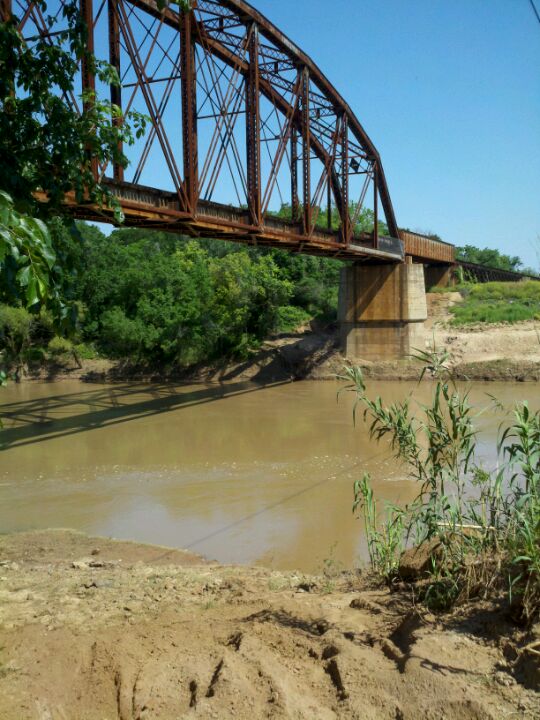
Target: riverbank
<point>496,352</point>
<point>93,628</point>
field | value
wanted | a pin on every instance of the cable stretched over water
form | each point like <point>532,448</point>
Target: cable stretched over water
<point>282,501</point>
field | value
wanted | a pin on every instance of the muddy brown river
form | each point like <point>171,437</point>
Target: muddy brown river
<point>239,473</point>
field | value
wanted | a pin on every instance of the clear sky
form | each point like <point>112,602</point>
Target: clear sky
<point>449,91</point>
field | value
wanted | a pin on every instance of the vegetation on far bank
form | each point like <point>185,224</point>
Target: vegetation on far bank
<point>159,299</point>
<point>493,259</point>
<point>495,302</point>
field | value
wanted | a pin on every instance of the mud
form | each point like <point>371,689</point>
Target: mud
<point>95,629</point>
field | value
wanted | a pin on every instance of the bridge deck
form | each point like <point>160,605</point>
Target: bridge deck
<point>157,209</point>
<point>147,207</point>
<point>426,249</point>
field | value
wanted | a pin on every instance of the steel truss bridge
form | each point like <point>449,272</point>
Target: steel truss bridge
<point>242,123</point>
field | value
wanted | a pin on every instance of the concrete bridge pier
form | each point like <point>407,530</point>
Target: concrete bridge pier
<point>382,309</point>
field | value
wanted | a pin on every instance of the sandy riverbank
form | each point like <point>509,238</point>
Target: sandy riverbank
<point>96,629</point>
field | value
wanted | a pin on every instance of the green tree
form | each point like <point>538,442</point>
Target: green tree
<point>488,257</point>
<point>314,281</point>
<point>247,295</point>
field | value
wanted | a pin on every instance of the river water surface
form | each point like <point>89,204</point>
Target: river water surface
<point>238,473</point>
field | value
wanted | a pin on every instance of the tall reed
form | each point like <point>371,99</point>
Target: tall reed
<point>482,527</point>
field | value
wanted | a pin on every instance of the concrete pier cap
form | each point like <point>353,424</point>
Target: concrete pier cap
<point>382,310</point>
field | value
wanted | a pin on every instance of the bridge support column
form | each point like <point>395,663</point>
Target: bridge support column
<point>382,309</point>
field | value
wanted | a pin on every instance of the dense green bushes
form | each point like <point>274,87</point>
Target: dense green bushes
<point>156,298</point>
<point>15,335</point>
<point>152,300</point>
<point>27,339</point>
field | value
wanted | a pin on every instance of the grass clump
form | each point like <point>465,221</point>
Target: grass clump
<point>481,529</point>
<point>443,289</point>
<point>498,302</point>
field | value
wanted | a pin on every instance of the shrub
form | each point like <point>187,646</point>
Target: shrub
<point>15,331</point>
<point>15,326</point>
<point>120,336</point>
<point>42,328</point>
<point>290,318</point>
<point>483,528</point>
<point>86,351</point>
<point>60,347</point>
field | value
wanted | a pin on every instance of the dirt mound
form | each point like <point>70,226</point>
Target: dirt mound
<point>93,629</point>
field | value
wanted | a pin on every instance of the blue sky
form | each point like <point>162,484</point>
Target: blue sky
<point>449,91</point>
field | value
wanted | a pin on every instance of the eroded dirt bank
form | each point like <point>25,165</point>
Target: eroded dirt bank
<point>96,629</point>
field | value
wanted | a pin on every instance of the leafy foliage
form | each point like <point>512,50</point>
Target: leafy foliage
<point>46,150</point>
<point>290,317</point>
<point>488,257</point>
<point>480,527</point>
<point>155,298</point>
<point>27,256</point>
<point>314,280</point>
<point>60,347</point>
<point>15,332</point>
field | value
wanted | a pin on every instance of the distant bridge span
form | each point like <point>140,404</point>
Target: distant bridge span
<point>242,122</point>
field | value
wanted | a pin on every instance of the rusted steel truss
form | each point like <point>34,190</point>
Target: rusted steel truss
<point>243,123</point>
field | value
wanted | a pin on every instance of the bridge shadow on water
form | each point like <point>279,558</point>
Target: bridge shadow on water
<point>27,422</point>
